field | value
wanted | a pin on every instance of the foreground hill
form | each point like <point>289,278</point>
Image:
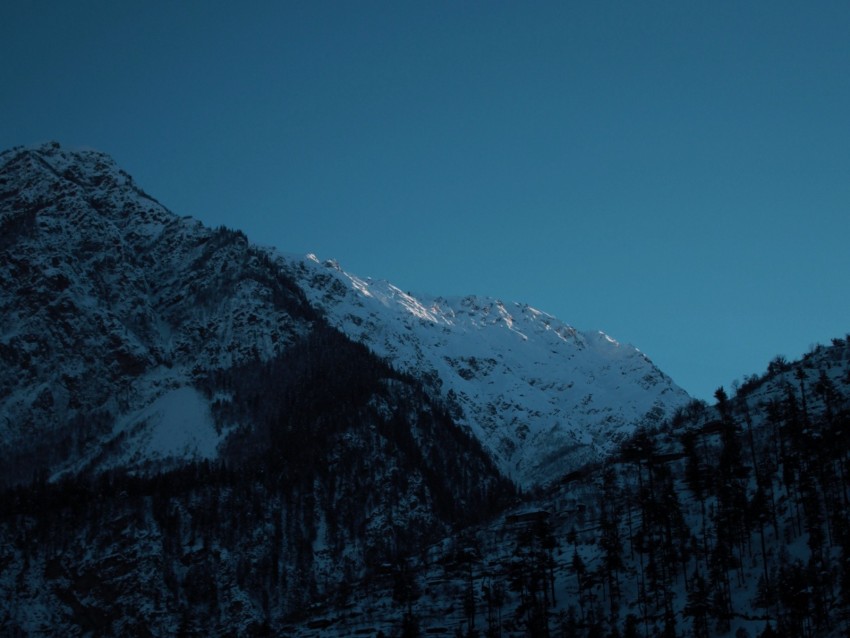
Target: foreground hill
<point>728,520</point>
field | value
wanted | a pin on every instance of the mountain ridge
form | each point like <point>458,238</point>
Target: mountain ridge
<point>203,437</point>
<point>543,386</point>
<point>110,300</point>
<point>161,298</point>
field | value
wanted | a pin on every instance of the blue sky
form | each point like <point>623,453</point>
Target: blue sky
<point>676,174</point>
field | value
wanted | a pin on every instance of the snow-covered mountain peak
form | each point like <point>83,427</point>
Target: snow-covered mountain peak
<point>542,396</point>
<point>93,170</point>
<point>84,188</point>
<point>110,302</point>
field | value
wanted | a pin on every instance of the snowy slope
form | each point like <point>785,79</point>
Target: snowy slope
<point>108,301</point>
<point>542,396</point>
<point>120,322</point>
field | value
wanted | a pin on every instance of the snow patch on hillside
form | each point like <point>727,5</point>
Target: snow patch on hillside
<point>177,424</point>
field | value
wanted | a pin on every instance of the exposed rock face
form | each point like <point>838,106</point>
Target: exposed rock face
<point>108,300</point>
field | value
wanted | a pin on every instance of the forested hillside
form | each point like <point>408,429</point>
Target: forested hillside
<point>728,520</point>
<point>342,466</point>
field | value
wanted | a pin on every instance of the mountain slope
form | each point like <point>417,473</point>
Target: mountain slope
<point>542,397</point>
<point>109,302</point>
<point>113,308</point>
<point>200,437</point>
<point>729,520</point>
<point>265,458</point>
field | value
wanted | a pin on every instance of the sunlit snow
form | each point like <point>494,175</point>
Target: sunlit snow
<point>539,394</point>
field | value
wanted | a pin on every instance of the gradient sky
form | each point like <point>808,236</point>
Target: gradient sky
<point>676,174</point>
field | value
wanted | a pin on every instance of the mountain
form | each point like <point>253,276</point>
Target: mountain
<point>201,437</point>
<point>111,305</point>
<point>150,362</point>
<point>114,308</point>
<point>727,520</point>
<point>543,397</point>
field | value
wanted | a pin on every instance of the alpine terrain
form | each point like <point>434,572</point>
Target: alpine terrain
<point>203,437</point>
<point>114,309</point>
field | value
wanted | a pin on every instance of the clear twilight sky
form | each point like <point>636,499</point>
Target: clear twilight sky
<point>676,174</point>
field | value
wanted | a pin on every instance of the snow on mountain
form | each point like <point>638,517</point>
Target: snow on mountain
<point>542,396</point>
<point>109,302</point>
<point>134,339</point>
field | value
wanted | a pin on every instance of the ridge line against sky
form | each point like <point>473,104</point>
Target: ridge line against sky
<point>675,175</point>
